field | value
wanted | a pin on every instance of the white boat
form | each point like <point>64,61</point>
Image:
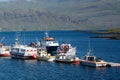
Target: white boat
<point>91,60</point>
<point>67,54</point>
<point>43,55</point>
<point>23,51</point>
<point>50,43</point>
<point>4,51</point>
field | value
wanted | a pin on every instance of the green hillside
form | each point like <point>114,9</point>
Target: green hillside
<point>59,14</point>
<point>117,30</point>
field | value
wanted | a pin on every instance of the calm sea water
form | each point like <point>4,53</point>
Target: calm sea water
<point>15,69</point>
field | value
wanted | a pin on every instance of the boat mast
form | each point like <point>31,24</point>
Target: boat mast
<point>46,33</point>
<point>24,35</point>
<point>1,38</point>
<point>17,38</point>
<point>89,49</point>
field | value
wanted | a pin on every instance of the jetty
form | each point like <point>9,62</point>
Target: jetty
<point>112,64</point>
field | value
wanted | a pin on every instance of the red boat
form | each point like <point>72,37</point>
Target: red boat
<point>4,51</point>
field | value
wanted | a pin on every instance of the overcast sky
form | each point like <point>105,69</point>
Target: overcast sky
<point>11,0</point>
<point>5,0</point>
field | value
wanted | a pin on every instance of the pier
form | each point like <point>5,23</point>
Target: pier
<point>112,64</point>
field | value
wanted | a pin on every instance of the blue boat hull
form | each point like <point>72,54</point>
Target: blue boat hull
<point>52,49</point>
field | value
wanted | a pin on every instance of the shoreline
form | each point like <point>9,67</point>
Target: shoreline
<point>107,34</point>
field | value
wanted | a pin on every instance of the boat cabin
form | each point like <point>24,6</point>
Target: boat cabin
<point>23,50</point>
<point>48,39</point>
<point>62,57</point>
<point>90,58</point>
<point>42,52</point>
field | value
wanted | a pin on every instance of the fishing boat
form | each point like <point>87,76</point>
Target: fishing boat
<point>4,51</point>
<point>23,51</point>
<point>66,54</point>
<point>43,55</point>
<point>91,60</point>
<point>50,44</point>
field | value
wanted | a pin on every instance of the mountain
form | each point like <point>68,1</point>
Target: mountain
<point>59,14</point>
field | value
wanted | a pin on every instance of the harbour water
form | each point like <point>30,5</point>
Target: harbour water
<point>15,69</point>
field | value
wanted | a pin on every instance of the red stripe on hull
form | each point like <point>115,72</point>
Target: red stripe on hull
<point>4,55</point>
<point>73,62</point>
<point>77,62</point>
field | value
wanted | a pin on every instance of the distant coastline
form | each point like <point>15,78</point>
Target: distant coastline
<point>108,34</point>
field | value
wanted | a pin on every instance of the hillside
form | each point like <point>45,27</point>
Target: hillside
<point>59,14</point>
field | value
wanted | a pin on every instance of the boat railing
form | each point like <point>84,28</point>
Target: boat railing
<point>55,41</point>
<point>82,57</point>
